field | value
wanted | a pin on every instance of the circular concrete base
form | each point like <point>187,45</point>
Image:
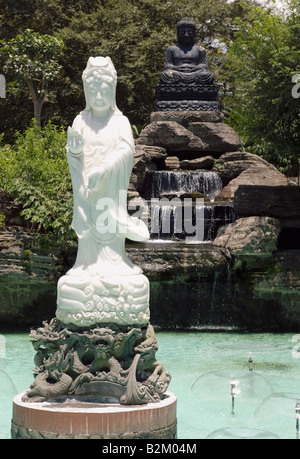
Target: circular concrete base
<point>75,418</point>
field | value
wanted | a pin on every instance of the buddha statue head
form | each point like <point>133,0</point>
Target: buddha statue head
<point>186,31</point>
<point>99,82</point>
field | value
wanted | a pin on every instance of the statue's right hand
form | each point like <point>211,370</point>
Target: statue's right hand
<point>75,141</point>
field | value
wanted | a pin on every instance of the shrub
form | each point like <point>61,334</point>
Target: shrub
<point>35,173</point>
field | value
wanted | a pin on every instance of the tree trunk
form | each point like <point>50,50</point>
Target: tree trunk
<point>38,104</point>
<point>38,100</point>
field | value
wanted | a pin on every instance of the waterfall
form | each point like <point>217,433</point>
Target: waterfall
<point>175,221</point>
<point>178,213</point>
<point>179,182</point>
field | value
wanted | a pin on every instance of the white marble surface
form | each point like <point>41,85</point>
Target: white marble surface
<point>103,286</point>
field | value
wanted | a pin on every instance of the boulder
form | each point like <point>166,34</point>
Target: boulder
<point>170,135</point>
<point>230,165</point>
<point>282,202</point>
<point>196,137</point>
<point>250,236</point>
<point>256,174</point>
<point>206,162</point>
<point>218,137</point>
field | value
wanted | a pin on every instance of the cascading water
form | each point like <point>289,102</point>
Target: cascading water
<point>161,183</point>
<point>184,218</point>
<point>182,205</point>
<point>181,221</point>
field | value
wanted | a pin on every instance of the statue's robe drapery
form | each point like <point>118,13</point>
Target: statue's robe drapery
<point>103,279</point>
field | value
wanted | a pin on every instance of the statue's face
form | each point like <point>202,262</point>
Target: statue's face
<point>186,35</point>
<point>99,95</point>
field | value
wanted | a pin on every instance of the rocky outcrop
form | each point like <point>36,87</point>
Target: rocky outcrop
<point>181,140</point>
<point>193,141</point>
<point>254,175</point>
<point>282,202</point>
<point>192,136</point>
<point>230,165</point>
<point>243,168</point>
<point>171,136</point>
<point>217,137</point>
<point>206,162</point>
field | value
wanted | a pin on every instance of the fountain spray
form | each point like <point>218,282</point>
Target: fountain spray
<point>297,416</point>
<point>250,362</point>
<point>234,392</point>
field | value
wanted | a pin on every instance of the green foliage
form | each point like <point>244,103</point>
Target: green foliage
<point>33,59</point>
<point>134,33</point>
<point>31,55</point>
<point>61,35</point>
<point>36,174</point>
<point>262,61</point>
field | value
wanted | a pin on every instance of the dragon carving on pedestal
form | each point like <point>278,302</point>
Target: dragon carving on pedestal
<point>99,362</point>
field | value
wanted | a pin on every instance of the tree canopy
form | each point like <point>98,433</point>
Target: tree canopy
<point>263,61</point>
<point>33,59</point>
<point>46,44</point>
<point>134,33</point>
<point>263,58</point>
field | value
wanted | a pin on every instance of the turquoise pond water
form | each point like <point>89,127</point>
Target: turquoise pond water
<point>205,367</point>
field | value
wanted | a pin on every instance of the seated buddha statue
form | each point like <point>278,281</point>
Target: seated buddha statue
<point>186,62</point>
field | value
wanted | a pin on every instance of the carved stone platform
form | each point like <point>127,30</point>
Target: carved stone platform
<point>89,418</point>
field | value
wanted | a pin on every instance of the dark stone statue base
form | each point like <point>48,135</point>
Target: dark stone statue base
<point>186,117</point>
<point>186,96</point>
<point>181,91</point>
<point>191,105</point>
<point>103,361</point>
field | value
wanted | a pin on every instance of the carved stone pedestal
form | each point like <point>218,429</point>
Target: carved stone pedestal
<point>75,418</point>
<point>103,362</point>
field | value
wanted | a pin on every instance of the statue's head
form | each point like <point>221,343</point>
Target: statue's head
<point>186,31</point>
<point>99,83</point>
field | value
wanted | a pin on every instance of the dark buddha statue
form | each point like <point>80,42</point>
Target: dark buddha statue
<point>186,62</point>
<point>186,82</point>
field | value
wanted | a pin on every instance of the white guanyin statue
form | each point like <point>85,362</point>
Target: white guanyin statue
<point>104,286</point>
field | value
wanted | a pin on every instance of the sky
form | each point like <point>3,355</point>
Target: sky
<point>278,3</point>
